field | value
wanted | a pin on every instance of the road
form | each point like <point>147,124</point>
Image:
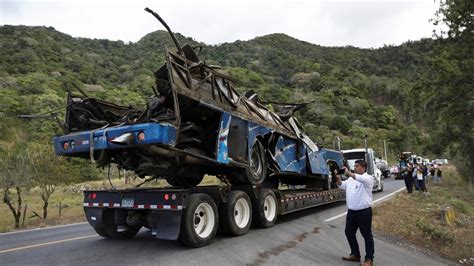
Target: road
<point>309,237</point>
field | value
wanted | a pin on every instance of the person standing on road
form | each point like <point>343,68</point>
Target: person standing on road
<point>358,189</point>
<point>415,179</point>
<point>421,178</point>
<point>407,177</point>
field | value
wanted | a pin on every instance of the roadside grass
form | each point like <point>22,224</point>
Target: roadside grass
<point>72,197</point>
<point>417,218</point>
<point>70,214</point>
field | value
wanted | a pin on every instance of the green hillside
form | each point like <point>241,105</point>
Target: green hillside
<point>356,91</point>
<point>385,93</point>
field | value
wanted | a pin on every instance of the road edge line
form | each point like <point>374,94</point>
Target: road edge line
<point>40,228</point>
<point>375,201</point>
<point>46,243</point>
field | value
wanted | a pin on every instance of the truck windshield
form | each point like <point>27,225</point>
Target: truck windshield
<point>354,155</point>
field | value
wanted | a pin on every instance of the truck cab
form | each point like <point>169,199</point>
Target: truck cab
<point>368,155</point>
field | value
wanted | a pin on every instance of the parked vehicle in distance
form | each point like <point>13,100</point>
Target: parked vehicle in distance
<point>441,161</point>
<point>368,155</point>
<point>383,166</point>
<point>426,161</point>
<point>394,171</point>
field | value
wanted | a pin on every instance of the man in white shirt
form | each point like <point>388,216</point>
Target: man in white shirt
<point>358,189</point>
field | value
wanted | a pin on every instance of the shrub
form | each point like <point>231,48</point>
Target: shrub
<point>433,231</point>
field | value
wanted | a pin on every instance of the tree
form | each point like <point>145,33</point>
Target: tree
<point>13,176</point>
<point>453,90</point>
<point>341,123</point>
<point>48,171</point>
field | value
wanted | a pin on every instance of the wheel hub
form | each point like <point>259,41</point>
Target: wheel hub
<point>242,213</point>
<point>269,208</point>
<point>204,220</point>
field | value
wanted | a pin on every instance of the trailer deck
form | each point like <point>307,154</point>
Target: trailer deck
<point>169,211</point>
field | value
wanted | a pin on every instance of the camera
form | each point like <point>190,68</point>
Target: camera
<point>340,171</point>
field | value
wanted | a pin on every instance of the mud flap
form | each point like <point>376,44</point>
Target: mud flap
<point>167,224</point>
<point>94,217</point>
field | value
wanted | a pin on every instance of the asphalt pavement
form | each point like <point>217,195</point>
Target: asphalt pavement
<point>308,237</point>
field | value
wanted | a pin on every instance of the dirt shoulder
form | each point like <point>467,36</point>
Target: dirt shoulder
<point>416,219</point>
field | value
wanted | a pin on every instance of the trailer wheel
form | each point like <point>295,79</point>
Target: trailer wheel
<point>110,229</point>
<point>200,221</point>
<point>257,171</point>
<point>265,209</point>
<point>236,214</point>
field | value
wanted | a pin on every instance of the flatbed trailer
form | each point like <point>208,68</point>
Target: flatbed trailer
<point>193,214</point>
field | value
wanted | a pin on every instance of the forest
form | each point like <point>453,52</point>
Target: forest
<point>417,96</point>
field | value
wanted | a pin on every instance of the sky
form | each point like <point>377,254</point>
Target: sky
<point>365,24</point>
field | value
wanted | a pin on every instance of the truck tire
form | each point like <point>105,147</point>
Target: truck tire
<point>110,229</point>
<point>257,171</point>
<point>200,221</point>
<point>101,231</point>
<point>236,214</point>
<point>265,209</point>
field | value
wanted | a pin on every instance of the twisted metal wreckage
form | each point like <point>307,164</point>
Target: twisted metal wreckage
<point>197,123</point>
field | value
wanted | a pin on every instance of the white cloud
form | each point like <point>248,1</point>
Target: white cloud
<point>329,23</point>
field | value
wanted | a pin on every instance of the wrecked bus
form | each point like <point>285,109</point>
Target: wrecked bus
<point>196,123</point>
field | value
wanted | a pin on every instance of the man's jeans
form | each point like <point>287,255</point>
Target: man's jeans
<point>361,219</point>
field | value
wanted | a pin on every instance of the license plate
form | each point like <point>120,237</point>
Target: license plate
<point>128,202</point>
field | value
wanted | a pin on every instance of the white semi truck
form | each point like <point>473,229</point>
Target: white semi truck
<point>366,154</point>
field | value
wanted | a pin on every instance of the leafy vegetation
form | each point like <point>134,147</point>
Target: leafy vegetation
<point>452,90</point>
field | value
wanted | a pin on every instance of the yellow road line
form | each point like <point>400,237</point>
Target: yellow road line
<point>46,244</point>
